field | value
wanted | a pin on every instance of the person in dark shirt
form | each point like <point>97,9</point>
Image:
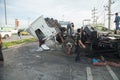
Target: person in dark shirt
<point>79,45</point>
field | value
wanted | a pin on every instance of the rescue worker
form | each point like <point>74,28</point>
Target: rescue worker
<point>117,22</point>
<point>79,45</point>
<point>70,29</point>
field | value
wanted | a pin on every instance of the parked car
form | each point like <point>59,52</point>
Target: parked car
<point>24,33</point>
<point>6,34</point>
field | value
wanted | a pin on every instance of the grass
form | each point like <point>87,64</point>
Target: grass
<point>12,43</point>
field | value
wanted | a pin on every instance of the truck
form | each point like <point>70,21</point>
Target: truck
<point>101,42</point>
<point>96,41</point>
<point>5,34</point>
<point>44,28</point>
<point>39,28</point>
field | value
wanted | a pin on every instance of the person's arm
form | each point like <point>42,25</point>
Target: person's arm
<point>61,38</point>
<point>80,42</point>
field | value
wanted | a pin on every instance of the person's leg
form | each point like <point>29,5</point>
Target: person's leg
<point>40,48</point>
<point>99,63</point>
<point>41,42</point>
<point>113,64</point>
<point>117,26</point>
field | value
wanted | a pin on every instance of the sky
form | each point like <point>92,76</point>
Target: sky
<point>26,11</point>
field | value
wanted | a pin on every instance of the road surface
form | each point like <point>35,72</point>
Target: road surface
<point>25,63</point>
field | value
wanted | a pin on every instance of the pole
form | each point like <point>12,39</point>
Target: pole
<point>104,18</point>
<point>109,14</point>
<point>5,12</point>
<point>94,16</point>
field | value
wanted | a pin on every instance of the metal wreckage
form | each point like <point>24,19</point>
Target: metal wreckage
<point>96,41</point>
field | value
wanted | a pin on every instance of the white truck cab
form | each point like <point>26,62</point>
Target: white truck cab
<point>39,28</point>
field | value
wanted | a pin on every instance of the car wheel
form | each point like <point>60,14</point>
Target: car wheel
<point>6,36</point>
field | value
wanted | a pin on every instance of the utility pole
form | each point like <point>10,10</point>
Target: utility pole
<point>105,9</point>
<point>109,14</point>
<point>5,12</point>
<point>94,16</point>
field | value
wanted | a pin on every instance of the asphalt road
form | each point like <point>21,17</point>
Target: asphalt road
<point>23,62</point>
<point>16,37</point>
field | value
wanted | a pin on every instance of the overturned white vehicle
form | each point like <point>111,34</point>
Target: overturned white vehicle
<point>45,28</point>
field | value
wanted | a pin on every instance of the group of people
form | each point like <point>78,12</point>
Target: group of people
<point>78,41</point>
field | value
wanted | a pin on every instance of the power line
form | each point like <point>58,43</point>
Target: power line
<point>116,6</point>
<point>109,13</point>
<point>101,4</point>
<point>101,11</point>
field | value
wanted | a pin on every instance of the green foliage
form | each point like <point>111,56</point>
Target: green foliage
<point>12,43</point>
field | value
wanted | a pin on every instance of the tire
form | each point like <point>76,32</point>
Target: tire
<point>6,36</point>
<point>65,43</point>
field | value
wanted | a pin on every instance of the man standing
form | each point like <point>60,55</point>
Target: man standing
<point>79,46</point>
<point>70,29</point>
<point>19,34</point>
<point>117,20</point>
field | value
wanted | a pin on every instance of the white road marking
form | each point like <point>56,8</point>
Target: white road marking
<point>89,73</point>
<point>112,73</point>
